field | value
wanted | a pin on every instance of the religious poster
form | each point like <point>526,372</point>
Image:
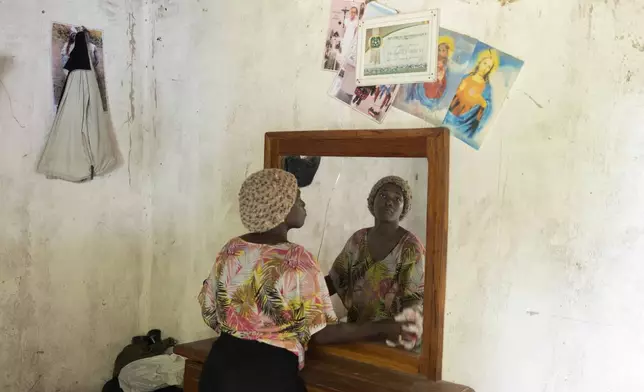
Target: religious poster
<point>62,44</point>
<point>343,25</point>
<point>398,49</point>
<point>372,101</point>
<point>481,93</point>
<point>343,28</point>
<point>429,101</point>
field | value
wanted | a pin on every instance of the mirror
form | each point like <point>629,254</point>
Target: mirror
<point>387,266</point>
<point>431,145</point>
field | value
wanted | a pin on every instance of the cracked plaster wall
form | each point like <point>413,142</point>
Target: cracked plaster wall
<point>546,233</point>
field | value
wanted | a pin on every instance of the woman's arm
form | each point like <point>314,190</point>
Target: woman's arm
<point>349,332</point>
<point>329,285</point>
<point>208,304</point>
<point>338,277</point>
<point>411,272</point>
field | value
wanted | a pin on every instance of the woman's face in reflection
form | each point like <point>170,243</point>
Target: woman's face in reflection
<point>389,203</point>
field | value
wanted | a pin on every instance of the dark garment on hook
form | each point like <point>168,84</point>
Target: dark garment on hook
<point>79,57</point>
<point>303,169</point>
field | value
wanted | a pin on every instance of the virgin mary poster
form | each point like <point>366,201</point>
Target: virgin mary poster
<point>430,101</point>
<point>480,93</point>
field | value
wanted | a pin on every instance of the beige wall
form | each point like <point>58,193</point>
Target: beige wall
<point>545,242</point>
<point>546,232</point>
<point>70,254</point>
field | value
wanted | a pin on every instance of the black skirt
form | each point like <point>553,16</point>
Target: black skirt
<point>238,365</point>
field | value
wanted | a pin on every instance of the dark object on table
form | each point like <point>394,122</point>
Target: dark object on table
<point>141,347</point>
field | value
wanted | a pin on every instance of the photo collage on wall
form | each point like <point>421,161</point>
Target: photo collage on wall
<point>472,81</point>
<point>341,53</point>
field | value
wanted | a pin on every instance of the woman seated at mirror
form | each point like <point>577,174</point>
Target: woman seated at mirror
<point>381,270</point>
<point>267,296</point>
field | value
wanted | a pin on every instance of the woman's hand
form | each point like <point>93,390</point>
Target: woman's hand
<point>392,330</point>
<point>350,332</point>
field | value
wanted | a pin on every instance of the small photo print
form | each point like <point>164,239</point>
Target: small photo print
<point>62,44</point>
<point>343,26</point>
<point>372,101</point>
<point>342,35</point>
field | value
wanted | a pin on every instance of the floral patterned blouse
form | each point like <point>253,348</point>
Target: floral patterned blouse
<point>274,294</point>
<point>375,290</point>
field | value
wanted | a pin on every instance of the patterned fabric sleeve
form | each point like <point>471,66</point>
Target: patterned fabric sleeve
<point>208,305</point>
<point>412,272</point>
<point>317,308</point>
<point>339,273</point>
<point>208,302</point>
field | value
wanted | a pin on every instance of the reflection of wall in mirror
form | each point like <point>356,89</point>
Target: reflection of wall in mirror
<point>336,203</point>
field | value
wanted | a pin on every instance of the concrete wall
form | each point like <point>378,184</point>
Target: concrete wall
<point>70,254</point>
<point>546,236</point>
<point>546,248</point>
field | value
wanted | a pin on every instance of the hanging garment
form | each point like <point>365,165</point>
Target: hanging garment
<point>303,168</point>
<point>79,145</point>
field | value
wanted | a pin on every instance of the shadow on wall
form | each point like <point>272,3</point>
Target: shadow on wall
<point>5,63</point>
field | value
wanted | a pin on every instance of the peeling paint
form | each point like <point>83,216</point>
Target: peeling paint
<point>132,116</point>
<point>504,2</point>
<point>132,44</point>
<point>590,21</point>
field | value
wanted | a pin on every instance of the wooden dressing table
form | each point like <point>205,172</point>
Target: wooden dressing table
<point>346,368</point>
<point>369,366</point>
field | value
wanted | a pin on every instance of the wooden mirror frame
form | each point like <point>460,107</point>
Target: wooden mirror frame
<point>429,143</point>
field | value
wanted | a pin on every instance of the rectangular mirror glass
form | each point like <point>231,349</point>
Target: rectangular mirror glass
<point>378,263</point>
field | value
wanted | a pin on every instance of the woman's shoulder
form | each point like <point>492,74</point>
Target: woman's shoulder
<point>296,248</point>
<point>233,247</point>
<point>291,253</point>
<point>297,256</point>
<point>282,247</point>
<point>360,234</point>
<point>411,240</point>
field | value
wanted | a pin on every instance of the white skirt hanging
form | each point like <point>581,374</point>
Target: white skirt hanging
<point>79,145</point>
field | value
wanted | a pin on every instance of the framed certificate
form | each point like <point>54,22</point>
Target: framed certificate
<point>398,49</point>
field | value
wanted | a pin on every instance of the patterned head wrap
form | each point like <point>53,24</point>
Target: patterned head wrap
<point>400,183</point>
<point>265,199</point>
